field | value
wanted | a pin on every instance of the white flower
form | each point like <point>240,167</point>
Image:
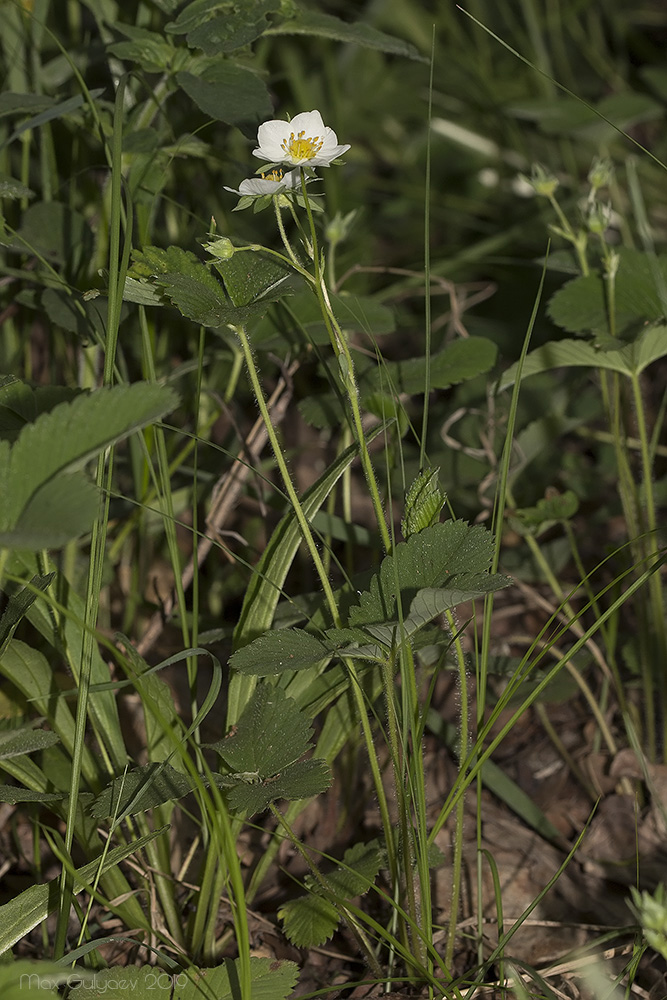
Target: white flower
<point>306,140</point>
<point>274,182</point>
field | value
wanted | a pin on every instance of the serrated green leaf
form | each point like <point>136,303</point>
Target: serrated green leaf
<point>249,276</point>
<point>374,641</point>
<point>72,433</point>
<point>141,789</point>
<point>442,554</point>
<point>357,872</point>
<point>271,733</point>
<point>57,512</point>
<point>154,262</point>
<point>560,507</point>
<point>203,301</point>
<point>262,752</point>
<point>457,362</point>
<point>632,359</point>
<point>300,780</point>
<point>186,282</point>
<point>310,22</point>
<point>639,296</point>
<point>228,30</point>
<point>275,652</point>
<point>309,921</point>
<point>230,93</point>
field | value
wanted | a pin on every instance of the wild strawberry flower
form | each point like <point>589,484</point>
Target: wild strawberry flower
<point>303,141</point>
<point>274,182</point>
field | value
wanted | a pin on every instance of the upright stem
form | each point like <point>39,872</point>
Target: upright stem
<point>346,369</point>
<point>284,472</point>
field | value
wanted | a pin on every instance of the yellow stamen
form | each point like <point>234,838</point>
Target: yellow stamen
<point>302,148</point>
<point>273,175</point>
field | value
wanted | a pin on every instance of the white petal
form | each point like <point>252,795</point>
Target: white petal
<point>258,185</point>
<point>254,187</point>
<point>327,154</point>
<point>309,122</point>
<point>270,137</point>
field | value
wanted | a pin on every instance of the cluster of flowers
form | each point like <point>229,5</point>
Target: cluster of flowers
<point>305,141</point>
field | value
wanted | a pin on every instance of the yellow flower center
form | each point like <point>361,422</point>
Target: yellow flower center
<point>302,147</point>
<point>274,175</point>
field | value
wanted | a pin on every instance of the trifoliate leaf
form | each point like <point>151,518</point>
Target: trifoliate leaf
<point>262,753</point>
<point>309,921</point>
<point>186,282</point>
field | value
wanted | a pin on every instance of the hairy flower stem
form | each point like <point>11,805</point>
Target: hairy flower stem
<point>285,474</point>
<point>283,234</point>
<point>346,368</point>
<point>324,579</point>
<point>457,864</point>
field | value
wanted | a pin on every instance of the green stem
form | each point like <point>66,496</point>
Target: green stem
<point>457,862</point>
<point>658,633</point>
<point>346,369</point>
<point>283,234</point>
<point>285,475</point>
